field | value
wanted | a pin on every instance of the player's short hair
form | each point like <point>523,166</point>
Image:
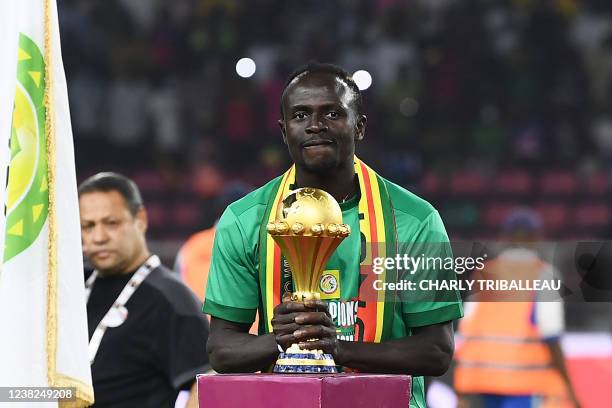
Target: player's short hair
<point>325,68</point>
<point>109,181</point>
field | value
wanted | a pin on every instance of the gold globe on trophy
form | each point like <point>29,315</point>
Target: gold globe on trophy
<point>308,228</point>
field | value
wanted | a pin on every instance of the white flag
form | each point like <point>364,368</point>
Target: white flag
<point>43,335</point>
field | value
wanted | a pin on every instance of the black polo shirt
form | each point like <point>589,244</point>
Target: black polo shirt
<point>159,348</point>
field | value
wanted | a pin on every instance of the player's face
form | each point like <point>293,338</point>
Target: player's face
<point>113,239</point>
<point>320,125</point>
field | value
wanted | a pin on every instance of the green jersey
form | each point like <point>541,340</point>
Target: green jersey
<point>233,291</point>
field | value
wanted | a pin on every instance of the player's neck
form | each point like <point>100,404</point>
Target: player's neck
<point>340,183</point>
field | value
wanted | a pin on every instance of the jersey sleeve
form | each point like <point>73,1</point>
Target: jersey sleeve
<point>232,289</point>
<point>433,299</point>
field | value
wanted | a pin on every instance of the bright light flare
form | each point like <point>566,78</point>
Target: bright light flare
<point>363,79</point>
<point>245,67</point>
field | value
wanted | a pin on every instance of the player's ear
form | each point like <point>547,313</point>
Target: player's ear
<point>142,220</point>
<point>360,127</point>
<point>281,125</point>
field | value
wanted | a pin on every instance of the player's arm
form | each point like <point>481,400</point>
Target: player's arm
<point>232,349</point>
<point>428,351</point>
<point>231,300</point>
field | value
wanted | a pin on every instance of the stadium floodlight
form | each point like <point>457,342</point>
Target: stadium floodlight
<point>363,79</point>
<point>245,67</point>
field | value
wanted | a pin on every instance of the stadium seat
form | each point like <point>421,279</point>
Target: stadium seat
<point>496,213</point>
<point>468,182</point>
<point>558,182</point>
<point>513,181</point>
<point>592,215</point>
<point>554,215</point>
<point>149,181</point>
<point>597,184</point>
<point>432,183</point>
<point>460,215</point>
<point>156,214</point>
<point>186,214</point>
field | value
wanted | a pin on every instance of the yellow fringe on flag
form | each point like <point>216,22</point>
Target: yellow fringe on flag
<point>84,393</point>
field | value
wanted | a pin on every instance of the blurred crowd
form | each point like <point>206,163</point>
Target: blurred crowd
<point>476,105</point>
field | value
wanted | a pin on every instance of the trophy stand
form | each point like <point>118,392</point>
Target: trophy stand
<point>308,229</point>
<point>297,360</point>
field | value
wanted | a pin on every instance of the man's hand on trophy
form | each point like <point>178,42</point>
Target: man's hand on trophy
<point>325,336</point>
<point>297,322</point>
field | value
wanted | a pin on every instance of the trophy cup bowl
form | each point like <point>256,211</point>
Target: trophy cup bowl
<point>308,228</point>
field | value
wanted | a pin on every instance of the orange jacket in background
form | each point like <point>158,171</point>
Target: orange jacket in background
<point>193,261</point>
<point>193,264</point>
<point>502,351</point>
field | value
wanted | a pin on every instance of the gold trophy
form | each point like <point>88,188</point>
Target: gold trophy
<point>308,229</point>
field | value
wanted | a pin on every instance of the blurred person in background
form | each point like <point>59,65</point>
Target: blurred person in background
<point>193,259</point>
<point>147,334</point>
<point>509,353</point>
<point>321,121</point>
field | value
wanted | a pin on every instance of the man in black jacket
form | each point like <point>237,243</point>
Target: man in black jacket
<point>147,334</point>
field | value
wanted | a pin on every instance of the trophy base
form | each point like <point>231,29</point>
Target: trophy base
<point>298,361</point>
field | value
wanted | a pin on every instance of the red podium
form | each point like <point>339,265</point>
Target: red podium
<point>303,391</point>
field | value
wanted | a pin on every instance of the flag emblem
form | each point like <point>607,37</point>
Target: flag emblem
<point>27,193</point>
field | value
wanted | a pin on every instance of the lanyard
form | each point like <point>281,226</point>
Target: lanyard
<point>117,313</point>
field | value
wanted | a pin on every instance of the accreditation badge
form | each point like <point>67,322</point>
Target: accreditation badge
<point>115,316</point>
